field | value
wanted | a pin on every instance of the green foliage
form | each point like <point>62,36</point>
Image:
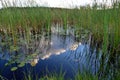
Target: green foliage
<point>85,76</point>
<point>13,68</point>
<point>14,48</point>
<point>21,64</point>
<point>60,76</point>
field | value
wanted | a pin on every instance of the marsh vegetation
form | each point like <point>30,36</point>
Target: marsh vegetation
<point>28,33</point>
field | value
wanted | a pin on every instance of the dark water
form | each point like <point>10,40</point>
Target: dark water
<point>58,53</point>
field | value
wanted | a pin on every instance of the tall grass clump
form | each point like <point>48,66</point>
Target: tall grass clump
<point>85,77</point>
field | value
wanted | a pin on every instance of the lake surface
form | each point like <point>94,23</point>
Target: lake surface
<point>59,51</point>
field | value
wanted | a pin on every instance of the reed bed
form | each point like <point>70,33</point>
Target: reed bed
<point>103,25</point>
<point>37,17</point>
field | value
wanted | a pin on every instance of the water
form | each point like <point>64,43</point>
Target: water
<point>54,53</point>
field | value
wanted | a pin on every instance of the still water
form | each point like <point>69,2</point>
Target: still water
<point>53,54</point>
